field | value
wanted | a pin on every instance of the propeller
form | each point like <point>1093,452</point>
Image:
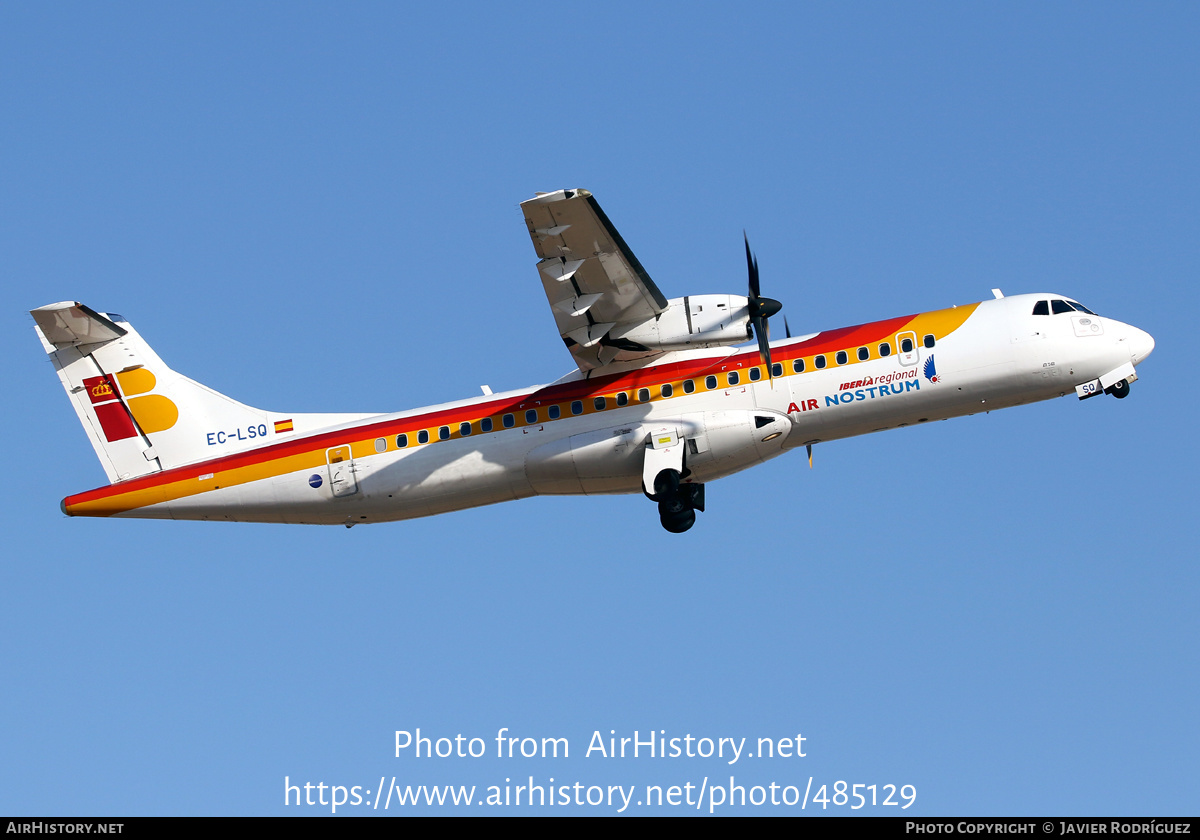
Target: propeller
<point>761,308</point>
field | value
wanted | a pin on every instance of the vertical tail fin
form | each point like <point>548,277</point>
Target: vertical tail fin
<point>140,416</point>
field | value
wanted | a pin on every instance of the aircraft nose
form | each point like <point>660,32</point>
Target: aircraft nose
<point>1141,345</point>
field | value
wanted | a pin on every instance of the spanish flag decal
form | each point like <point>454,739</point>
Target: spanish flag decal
<point>283,426</point>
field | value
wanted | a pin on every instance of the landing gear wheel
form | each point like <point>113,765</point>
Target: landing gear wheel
<point>672,506</point>
<point>677,522</point>
<point>1120,390</point>
<point>676,505</point>
<point>666,485</point>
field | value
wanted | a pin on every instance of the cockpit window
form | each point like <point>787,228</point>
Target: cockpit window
<point>1081,307</point>
<point>1042,307</point>
<point>1058,307</point>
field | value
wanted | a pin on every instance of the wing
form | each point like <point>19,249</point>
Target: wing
<point>596,287</point>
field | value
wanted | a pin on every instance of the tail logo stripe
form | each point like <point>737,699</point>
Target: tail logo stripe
<point>115,421</point>
<point>154,413</point>
<point>137,381</point>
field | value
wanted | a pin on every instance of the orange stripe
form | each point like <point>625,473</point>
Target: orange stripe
<point>309,452</point>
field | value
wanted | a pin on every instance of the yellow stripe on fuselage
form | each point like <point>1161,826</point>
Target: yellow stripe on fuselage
<point>161,487</point>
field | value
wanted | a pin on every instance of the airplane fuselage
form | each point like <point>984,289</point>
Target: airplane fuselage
<point>591,434</point>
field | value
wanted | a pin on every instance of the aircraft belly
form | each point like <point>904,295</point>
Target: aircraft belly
<point>601,461</point>
<point>611,460</point>
<point>437,479</point>
<point>471,482</point>
<point>250,502</point>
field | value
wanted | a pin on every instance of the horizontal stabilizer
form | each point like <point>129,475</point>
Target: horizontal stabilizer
<point>70,323</point>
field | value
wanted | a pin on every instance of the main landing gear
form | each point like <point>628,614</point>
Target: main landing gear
<point>663,473</point>
<point>677,503</point>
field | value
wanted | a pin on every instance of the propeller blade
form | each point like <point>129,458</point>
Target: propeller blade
<point>786,329</point>
<point>809,448</point>
<point>763,331</point>
<point>761,309</point>
<point>751,269</point>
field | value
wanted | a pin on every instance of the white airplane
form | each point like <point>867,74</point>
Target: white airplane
<point>661,402</point>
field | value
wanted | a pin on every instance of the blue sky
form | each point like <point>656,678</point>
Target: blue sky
<point>315,208</point>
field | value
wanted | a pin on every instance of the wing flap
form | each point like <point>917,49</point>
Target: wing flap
<point>592,279</point>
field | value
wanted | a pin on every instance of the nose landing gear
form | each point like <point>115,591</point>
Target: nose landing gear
<point>1115,382</point>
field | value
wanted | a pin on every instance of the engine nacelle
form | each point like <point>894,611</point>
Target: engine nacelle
<point>693,321</point>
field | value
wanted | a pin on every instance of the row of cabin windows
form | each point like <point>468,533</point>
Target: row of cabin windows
<point>667,390</point>
<point>553,412</point>
<point>862,353</point>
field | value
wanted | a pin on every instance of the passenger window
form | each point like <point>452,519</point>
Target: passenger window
<point>509,421</point>
<point>689,386</point>
<point>798,365</point>
<point>531,415</point>
<point>381,444</point>
<point>464,429</point>
<point>841,357</point>
<point>485,425</point>
<point>777,369</point>
<point>710,382</point>
<point>734,378</point>
<point>667,390</point>
<point>819,361</point>
<point>423,436</point>
<point>577,407</point>
<point>928,341</point>
<point>755,374</point>
<point>600,403</point>
<point>906,345</point>
<point>643,395</point>
<point>885,349</point>
<point>1042,307</point>
<point>863,354</point>
<point>444,433</point>
<point>554,412</point>
<point>401,441</point>
<point>1058,307</point>
<point>623,398</point>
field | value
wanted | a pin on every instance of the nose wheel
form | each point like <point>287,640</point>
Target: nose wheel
<point>1115,382</point>
<point>1120,389</point>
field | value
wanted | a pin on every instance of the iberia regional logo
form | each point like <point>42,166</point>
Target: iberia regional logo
<point>931,371</point>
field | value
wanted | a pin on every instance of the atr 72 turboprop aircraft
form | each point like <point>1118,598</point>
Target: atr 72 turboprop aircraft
<point>661,402</point>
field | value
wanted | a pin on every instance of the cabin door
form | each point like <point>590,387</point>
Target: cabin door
<point>906,348</point>
<point>341,471</point>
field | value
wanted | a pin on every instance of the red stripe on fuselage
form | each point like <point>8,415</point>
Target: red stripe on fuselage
<point>825,342</point>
